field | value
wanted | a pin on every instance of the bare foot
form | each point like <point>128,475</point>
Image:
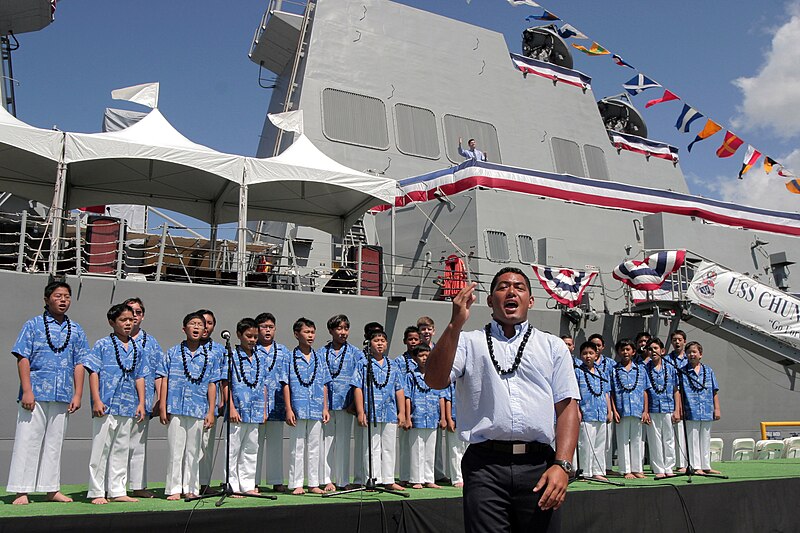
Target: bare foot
<point>124,499</point>
<point>190,495</point>
<point>21,499</point>
<point>712,471</point>
<point>416,486</point>
<point>173,497</point>
<point>99,501</point>
<point>278,488</point>
<point>670,474</point>
<point>629,476</point>
<point>660,476</point>
<point>58,497</point>
<point>639,475</point>
<point>432,486</point>
<point>316,490</point>
<point>458,485</point>
<point>236,496</point>
<point>330,487</point>
<point>393,486</point>
<point>599,478</point>
<point>144,493</point>
<point>682,470</point>
<point>254,491</point>
<point>299,491</point>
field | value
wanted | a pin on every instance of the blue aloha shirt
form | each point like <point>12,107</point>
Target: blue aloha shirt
<point>700,390</point>
<point>52,374</point>
<point>606,366</point>
<point>342,366</point>
<point>405,364</point>
<point>307,397</point>
<point>674,360</point>
<point>450,396</point>
<point>185,398</point>
<point>425,411</point>
<point>117,389</point>
<point>275,360</point>
<point>386,396</point>
<point>249,386</point>
<point>629,403</point>
<point>667,379</point>
<point>154,354</point>
<point>593,406</point>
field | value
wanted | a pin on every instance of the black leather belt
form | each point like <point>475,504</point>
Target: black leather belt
<point>513,447</point>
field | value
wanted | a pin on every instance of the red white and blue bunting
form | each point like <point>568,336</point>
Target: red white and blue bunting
<point>566,286</point>
<point>552,72</point>
<point>649,275</point>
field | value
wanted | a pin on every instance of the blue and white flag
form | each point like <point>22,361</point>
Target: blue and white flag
<point>688,115</point>
<point>566,286</point>
<point>544,16</point>
<point>621,62</point>
<point>649,275</point>
<point>568,30</point>
<point>639,83</point>
<point>516,3</point>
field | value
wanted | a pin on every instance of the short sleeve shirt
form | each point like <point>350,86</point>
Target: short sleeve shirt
<point>387,380</point>
<point>306,380</point>
<point>342,364</point>
<point>185,396</point>
<point>425,411</point>
<point>663,384</point>
<point>517,406</point>
<point>275,363</point>
<point>628,387</point>
<point>153,354</point>
<point>117,386</point>
<point>699,388</point>
<point>52,372</point>
<point>249,386</point>
<point>594,389</point>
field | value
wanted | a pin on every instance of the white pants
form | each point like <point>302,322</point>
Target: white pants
<point>680,445</point>
<point>384,440</point>
<point>629,444</point>
<point>137,457</point>
<point>209,438</point>
<point>336,459</point>
<point>243,456</point>
<point>403,455</point>
<point>609,451</point>
<point>305,439</point>
<point>699,432</point>
<point>592,448</point>
<point>422,451</point>
<point>358,458</point>
<point>184,438</point>
<point>270,449</point>
<point>455,452</point>
<point>108,462</point>
<point>661,441</point>
<point>36,459</point>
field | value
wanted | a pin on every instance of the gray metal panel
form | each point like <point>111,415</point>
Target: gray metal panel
<point>416,131</point>
<point>276,46</point>
<point>596,162</point>
<point>354,119</point>
<point>497,246</point>
<point>526,249</point>
<point>484,133</point>
<point>567,155</point>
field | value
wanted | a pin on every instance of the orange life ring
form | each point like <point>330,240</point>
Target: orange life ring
<point>455,276</point>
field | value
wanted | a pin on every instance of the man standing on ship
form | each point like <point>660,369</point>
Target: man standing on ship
<point>511,380</point>
<point>472,153</point>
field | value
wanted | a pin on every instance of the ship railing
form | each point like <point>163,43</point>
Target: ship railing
<point>297,7</point>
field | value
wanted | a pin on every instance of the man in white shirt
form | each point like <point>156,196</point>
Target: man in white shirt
<point>511,381</point>
<point>472,153</point>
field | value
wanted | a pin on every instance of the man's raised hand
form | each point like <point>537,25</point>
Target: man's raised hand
<point>461,304</point>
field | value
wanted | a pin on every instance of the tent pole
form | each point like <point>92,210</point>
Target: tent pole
<point>393,251</point>
<point>23,228</point>
<point>57,211</point>
<point>241,269</point>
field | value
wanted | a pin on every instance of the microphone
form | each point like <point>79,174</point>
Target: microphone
<point>225,335</point>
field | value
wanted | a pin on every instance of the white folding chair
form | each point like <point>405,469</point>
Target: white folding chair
<point>743,449</point>
<point>769,449</point>
<point>791,449</point>
<point>716,447</point>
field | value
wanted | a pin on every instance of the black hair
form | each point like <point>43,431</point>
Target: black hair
<point>565,337</point>
<point>692,344</point>
<point>371,328</point>
<point>53,285</point>
<point>410,329</point>
<point>135,300</point>
<point>594,336</point>
<point>116,310</point>
<point>245,324</point>
<point>265,317</point>
<point>421,347</point>
<point>624,342</point>
<point>378,333</point>
<point>192,316</point>
<point>335,320</point>
<point>655,340</point>
<point>511,270</point>
<point>679,332</point>
<point>204,312</point>
<point>642,335</point>
<point>302,321</point>
<point>469,141</point>
<point>588,345</point>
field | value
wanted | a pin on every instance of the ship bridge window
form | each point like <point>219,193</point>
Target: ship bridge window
<point>567,155</point>
<point>596,162</point>
<point>416,131</point>
<point>497,246</point>
<point>525,249</point>
<point>354,119</point>
<point>485,136</point>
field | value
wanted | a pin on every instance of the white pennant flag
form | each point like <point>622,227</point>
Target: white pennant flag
<point>145,94</point>
<point>516,3</point>
<point>289,121</point>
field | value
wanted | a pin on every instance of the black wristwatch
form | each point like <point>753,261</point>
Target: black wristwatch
<point>566,465</point>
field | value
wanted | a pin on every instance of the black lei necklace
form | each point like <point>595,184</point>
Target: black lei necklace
<point>241,369</point>
<point>692,379</point>
<point>274,356</point>
<point>406,360</point>
<point>650,370</point>
<point>144,339</point>
<point>335,375</point>
<point>297,370</point>
<point>388,373</point>
<point>47,334</point>
<point>199,379</point>
<point>125,371</point>
<point>418,386</point>
<point>586,374</point>
<point>619,380</point>
<point>517,360</point>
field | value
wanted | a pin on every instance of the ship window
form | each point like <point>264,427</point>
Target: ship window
<point>568,157</point>
<point>355,119</point>
<point>416,131</point>
<point>596,162</point>
<point>525,249</point>
<point>485,136</point>
<point>497,246</point>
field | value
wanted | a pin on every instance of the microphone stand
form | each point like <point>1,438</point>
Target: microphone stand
<point>226,489</point>
<point>372,420</point>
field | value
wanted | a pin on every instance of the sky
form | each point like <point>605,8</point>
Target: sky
<point>736,62</point>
